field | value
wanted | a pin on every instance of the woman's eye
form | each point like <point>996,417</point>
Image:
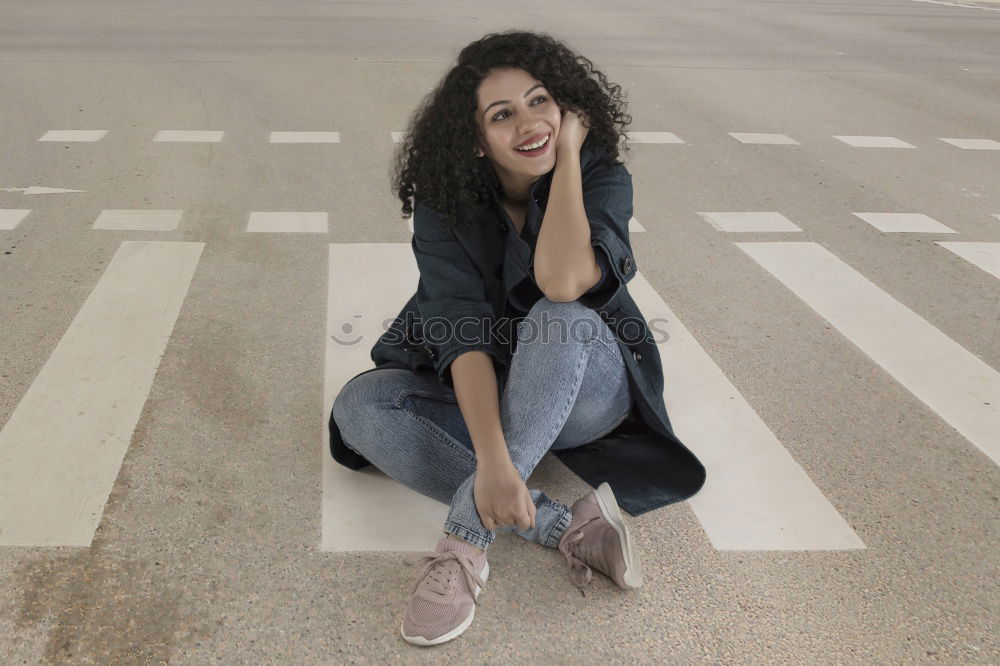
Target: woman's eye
<point>499,115</point>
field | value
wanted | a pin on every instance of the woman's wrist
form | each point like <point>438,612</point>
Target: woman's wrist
<point>564,150</point>
<point>497,458</point>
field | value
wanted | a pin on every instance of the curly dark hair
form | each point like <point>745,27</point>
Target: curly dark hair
<point>437,155</point>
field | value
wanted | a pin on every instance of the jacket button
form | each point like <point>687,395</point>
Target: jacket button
<point>627,264</point>
<point>637,356</point>
<point>430,352</point>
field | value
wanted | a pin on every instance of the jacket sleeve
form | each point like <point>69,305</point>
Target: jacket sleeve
<point>455,313</point>
<point>607,200</point>
<point>602,263</point>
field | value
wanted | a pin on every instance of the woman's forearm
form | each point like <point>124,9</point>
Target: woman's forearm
<point>475,382</point>
<point>565,265</point>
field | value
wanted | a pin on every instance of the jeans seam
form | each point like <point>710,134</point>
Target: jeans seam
<point>628,409</point>
<point>432,428</point>
<point>613,349</point>
<point>581,368</point>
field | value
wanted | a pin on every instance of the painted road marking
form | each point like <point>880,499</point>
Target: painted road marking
<point>63,446</point>
<point>756,496</point>
<point>38,189</point>
<point>66,136</point>
<point>982,255</point>
<point>744,222</point>
<point>952,382</point>
<point>962,4</point>
<point>752,137</point>
<point>975,144</point>
<point>905,223</point>
<point>654,137</point>
<point>141,220</point>
<point>305,137</point>
<point>185,136</point>
<point>874,142</point>
<point>366,284</point>
<point>288,222</point>
<point>11,217</point>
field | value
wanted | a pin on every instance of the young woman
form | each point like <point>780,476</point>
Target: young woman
<point>520,215</point>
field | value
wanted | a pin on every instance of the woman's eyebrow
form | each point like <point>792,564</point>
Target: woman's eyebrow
<point>507,101</point>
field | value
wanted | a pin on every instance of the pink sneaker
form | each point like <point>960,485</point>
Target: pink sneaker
<point>597,537</point>
<point>444,597</point>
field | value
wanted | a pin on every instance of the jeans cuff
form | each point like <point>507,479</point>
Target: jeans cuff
<point>477,540</point>
<point>560,528</point>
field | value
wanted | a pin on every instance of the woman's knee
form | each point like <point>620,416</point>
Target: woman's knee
<point>559,308</point>
<point>359,409</point>
<point>564,321</point>
<point>357,402</point>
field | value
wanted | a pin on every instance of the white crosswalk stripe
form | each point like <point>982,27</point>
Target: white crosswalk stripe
<point>185,136</point>
<point>959,387</point>
<point>65,136</point>
<point>750,221</point>
<point>983,255</point>
<point>161,220</point>
<point>288,222</point>
<point>10,218</point>
<point>305,137</point>
<point>874,142</point>
<point>61,449</point>
<point>755,497</point>
<point>905,222</point>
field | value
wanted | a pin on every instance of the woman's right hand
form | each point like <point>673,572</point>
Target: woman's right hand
<point>502,497</point>
<point>573,129</point>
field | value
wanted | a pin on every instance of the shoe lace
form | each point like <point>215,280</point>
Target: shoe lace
<point>436,576</point>
<point>579,572</point>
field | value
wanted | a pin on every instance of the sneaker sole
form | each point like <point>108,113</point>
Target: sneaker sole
<point>609,508</point>
<point>457,631</point>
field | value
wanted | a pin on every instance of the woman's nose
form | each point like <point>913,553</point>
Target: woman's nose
<point>530,127</point>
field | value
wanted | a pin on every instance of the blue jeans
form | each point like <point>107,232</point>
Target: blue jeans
<point>567,386</point>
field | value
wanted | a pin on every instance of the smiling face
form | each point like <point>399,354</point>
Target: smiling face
<point>514,108</point>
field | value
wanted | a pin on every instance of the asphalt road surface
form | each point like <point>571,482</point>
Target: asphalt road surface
<point>185,187</point>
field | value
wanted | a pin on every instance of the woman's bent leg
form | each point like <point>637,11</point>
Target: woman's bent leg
<point>410,426</point>
<point>566,364</point>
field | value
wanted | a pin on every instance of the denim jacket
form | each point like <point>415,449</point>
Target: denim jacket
<point>469,279</point>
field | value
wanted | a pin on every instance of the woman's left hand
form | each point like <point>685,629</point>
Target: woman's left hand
<point>572,131</point>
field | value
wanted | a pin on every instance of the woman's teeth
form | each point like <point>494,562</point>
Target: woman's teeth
<point>534,146</point>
